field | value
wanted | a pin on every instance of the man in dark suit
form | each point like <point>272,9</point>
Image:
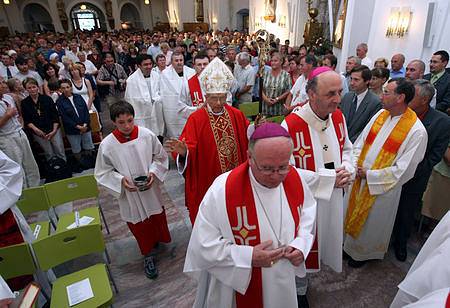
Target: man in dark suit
<point>360,104</point>
<point>440,78</point>
<point>437,125</point>
<point>75,118</point>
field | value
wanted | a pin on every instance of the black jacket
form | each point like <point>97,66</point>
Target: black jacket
<point>437,125</point>
<point>69,117</point>
<point>442,86</point>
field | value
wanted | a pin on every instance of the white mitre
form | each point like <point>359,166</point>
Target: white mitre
<point>216,77</point>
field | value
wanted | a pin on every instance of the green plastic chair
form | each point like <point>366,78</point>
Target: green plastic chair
<point>249,109</point>
<point>35,200</point>
<point>72,189</point>
<point>16,260</point>
<point>276,119</point>
<point>71,244</point>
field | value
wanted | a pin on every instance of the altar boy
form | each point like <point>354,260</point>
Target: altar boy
<point>132,164</point>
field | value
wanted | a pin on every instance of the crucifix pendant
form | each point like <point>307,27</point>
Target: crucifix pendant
<point>325,147</point>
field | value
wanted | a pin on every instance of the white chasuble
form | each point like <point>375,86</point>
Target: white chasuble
<point>222,268</point>
<point>386,184</point>
<point>137,157</point>
<point>430,271</point>
<point>141,94</point>
<point>330,203</point>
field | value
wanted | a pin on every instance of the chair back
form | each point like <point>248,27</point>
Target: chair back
<point>16,260</point>
<point>33,200</point>
<point>71,189</point>
<point>68,245</point>
<point>249,109</point>
<point>276,119</point>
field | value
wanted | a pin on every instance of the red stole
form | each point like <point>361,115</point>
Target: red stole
<point>243,220</point>
<point>304,159</point>
<point>123,138</point>
<point>195,91</point>
<point>447,303</point>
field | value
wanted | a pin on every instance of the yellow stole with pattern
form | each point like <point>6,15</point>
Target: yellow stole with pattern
<point>361,200</point>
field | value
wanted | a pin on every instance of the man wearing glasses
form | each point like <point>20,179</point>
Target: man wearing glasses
<point>254,229</point>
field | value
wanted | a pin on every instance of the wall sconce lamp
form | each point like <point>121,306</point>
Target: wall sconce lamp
<point>6,2</point>
<point>282,21</point>
<point>147,2</point>
<point>214,20</point>
<point>399,21</point>
<point>83,7</point>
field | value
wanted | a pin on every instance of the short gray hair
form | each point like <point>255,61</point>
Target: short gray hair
<point>420,63</point>
<point>364,46</point>
<point>426,88</point>
<point>244,56</point>
<point>356,59</point>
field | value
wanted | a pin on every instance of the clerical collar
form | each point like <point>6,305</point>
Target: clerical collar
<point>180,74</point>
<point>314,120</point>
<point>215,113</point>
<point>122,138</point>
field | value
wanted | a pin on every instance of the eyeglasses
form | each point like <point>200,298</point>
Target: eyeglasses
<point>269,170</point>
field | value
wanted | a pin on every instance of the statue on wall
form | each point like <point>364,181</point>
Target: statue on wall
<point>109,13</point>
<point>199,17</point>
<point>62,15</point>
<point>270,7</point>
<point>313,28</point>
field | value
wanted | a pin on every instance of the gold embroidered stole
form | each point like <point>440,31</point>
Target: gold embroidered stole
<point>361,201</point>
<point>226,143</point>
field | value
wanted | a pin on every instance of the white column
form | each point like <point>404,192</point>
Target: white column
<point>55,16</point>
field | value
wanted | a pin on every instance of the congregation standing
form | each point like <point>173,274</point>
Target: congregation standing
<point>340,178</point>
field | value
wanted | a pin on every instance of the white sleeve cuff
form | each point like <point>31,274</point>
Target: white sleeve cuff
<point>327,178</point>
<point>181,167</point>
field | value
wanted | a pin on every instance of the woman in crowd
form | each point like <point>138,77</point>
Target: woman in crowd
<point>82,86</point>
<point>41,118</point>
<point>130,60</point>
<point>96,58</point>
<point>381,63</point>
<point>276,86</point>
<point>294,68</point>
<point>165,49</point>
<point>50,71</point>
<point>379,78</point>
<point>16,90</point>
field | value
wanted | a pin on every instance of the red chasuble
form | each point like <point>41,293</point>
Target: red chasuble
<point>447,304</point>
<point>304,159</point>
<point>153,229</point>
<point>195,91</point>
<point>243,219</point>
<point>216,145</point>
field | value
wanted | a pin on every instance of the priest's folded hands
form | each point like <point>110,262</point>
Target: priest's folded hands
<point>264,256</point>
<point>343,178</point>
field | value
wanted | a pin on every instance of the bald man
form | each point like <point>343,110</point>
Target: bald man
<point>415,70</point>
<point>397,69</point>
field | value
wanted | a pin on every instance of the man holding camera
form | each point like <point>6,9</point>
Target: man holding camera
<point>112,75</point>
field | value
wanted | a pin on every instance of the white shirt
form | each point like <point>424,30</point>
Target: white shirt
<point>4,73</point>
<point>367,62</point>
<point>73,104</point>
<point>32,74</point>
<point>360,98</point>
<point>90,67</point>
<point>13,125</point>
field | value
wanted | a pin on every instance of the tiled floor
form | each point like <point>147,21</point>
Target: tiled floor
<point>373,285</point>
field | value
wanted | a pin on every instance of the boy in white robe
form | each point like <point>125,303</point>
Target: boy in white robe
<point>132,164</point>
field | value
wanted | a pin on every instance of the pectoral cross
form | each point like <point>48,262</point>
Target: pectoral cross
<point>325,147</point>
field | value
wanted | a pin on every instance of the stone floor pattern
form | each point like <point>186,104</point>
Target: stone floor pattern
<point>373,285</point>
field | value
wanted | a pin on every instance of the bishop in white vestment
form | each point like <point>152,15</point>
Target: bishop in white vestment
<point>388,150</point>
<point>250,223</point>
<point>321,145</point>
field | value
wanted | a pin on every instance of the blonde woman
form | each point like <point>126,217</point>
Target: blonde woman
<point>81,85</point>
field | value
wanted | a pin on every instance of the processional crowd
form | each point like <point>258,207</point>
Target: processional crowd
<point>289,165</point>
